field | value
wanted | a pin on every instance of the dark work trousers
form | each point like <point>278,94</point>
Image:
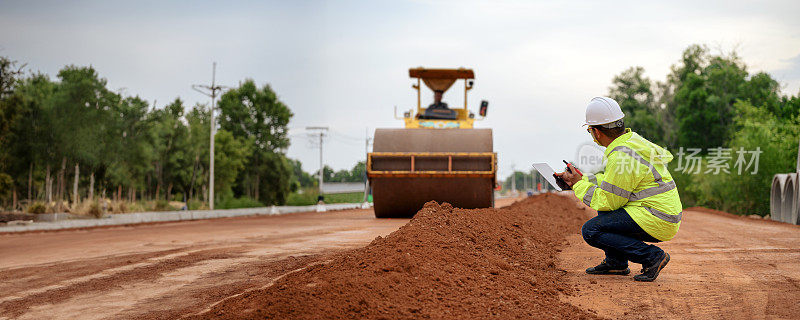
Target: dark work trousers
<point>621,239</point>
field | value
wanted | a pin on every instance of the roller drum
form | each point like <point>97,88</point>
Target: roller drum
<point>403,197</point>
<point>396,197</point>
<point>432,140</point>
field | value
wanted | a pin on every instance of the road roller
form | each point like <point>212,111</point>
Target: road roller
<point>439,155</point>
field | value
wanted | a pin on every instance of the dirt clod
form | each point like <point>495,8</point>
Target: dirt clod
<point>445,263</point>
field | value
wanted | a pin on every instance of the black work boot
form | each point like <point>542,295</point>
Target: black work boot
<point>604,268</point>
<point>650,273</point>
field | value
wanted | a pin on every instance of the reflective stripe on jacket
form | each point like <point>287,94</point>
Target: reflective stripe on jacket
<point>636,178</point>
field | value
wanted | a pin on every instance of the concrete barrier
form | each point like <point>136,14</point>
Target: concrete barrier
<point>69,222</point>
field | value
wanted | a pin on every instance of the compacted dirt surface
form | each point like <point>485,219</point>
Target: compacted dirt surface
<point>722,267</point>
<point>158,271</point>
<point>525,260</point>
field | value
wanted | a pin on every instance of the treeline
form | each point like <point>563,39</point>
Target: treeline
<point>72,139</point>
<point>524,181</point>
<point>357,174</point>
<point>712,108</point>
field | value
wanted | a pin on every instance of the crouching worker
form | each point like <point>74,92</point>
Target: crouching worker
<point>636,198</point>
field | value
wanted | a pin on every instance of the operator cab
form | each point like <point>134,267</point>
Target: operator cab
<point>438,110</point>
<point>439,115</point>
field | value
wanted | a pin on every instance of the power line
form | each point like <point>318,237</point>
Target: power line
<point>345,136</point>
<point>347,142</point>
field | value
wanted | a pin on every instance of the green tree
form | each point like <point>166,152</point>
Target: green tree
<point>692,59</point>
<point>327,174</point>
<point>633,93</point>
<point>704,102</point>
<point>341,176</point>
<point>277,177</point>
<point>522,180</point>
<point>172,165</point>
<point>198,123</point>
<point>33,141</point>
<point>256,114</point>
<point>95,139</point>
<point>711,101</point>
<point>131,154</point>
<point>10,105</point>
<point>356,174</point>
<point>747,192</point>
<point>763,91</point>
<point>300,178</point>
<point>230,158</point>
<point>80,111</point>
<point>359,172</point>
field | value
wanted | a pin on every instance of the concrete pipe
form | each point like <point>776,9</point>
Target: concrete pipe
<point>788,210</point>
<point>796,210</point>
<point>794,216</point>
<point>776,196</point>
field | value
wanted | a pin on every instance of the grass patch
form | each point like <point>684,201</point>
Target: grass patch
<point>236,203</point>
<point>162,205</point>
<point>309,197</point>
<point>354,197</point>
<point>197,205</point>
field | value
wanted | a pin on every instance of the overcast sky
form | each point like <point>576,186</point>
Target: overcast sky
<point>344,64</point>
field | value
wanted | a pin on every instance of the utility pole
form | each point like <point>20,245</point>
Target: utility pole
<point>525,182</point>
<point>366,155</point>
<point>211,91</point>
<point>514,179</point>
<point>321,133</point>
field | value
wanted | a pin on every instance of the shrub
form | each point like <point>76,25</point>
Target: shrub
<point>37,208</point>
<point>119,207</point>
<point>95,210</point>
<point>162,205</point>
<point>197,205</point>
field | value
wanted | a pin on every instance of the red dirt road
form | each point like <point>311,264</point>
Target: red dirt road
<point>166,270</point>
<point>722,267</point>
<point>170,269</point>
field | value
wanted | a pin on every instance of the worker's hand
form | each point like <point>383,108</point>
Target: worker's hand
<point>570,178</point>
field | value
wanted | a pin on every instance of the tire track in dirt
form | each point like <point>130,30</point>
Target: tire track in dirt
<point>149,272</point>
<point>23,281</point>
<point>276,273</point>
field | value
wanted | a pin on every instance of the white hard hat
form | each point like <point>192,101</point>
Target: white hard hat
<point>602,110</point>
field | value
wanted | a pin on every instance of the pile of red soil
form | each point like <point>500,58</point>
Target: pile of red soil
<point>445,263</point>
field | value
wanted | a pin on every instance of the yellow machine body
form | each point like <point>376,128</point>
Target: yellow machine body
<point>432,159</point>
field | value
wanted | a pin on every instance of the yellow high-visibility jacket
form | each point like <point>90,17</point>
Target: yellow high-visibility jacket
<point>636,179</point>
